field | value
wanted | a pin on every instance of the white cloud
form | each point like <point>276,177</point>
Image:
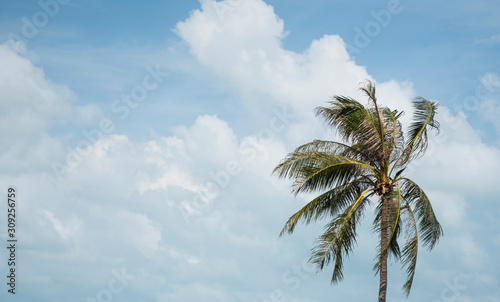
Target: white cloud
<point>450,208</point>
<point>26,90</point>
<point>471,254</point>
<point>209,131</point>
<point>138,230</point>
<point>30,103</point>
<point>260,66</point>
<point>457,160</point>
<point>266,75</point>
<point>126,194</point>
<point>175,253</point>
<point>65,231</point>
<point>245,49</point>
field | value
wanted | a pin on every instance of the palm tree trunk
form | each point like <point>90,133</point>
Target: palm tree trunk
<point>383,244</point>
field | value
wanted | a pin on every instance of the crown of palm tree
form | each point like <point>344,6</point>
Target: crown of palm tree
<point>369,162</point>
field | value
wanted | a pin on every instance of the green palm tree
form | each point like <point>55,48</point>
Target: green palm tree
<point>369,163</point>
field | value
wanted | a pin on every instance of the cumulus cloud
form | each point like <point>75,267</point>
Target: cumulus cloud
<point>125,200</point>
<point>311,77</point>
<point>265,73</point>
<point>245,49</point>
<point>30,103</point>
<point>457,158</point>
<point>209,131</point>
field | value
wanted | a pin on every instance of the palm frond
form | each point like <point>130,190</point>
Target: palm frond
<point>423,120</point>
<point>348,173</point>
<point>336,148</point>
<point>327,204</point>
<point>394,225</point>
<point>410,250</point>
<point>429,226</point>
<point>355,124</point>
<point>315,171</point>
<point>339,238</point>
<point>369,90</point>
<point>394,135</point>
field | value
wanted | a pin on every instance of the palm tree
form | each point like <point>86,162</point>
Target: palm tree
<point>369,163</point>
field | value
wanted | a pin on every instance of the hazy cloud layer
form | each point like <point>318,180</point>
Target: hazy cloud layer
<point>196,215</point>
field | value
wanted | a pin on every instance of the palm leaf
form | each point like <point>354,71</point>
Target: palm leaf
<point>329,203</point>
<point>428,224</point>
<point>410,250</point>
<point>423,119</point>
<point>339,238</point>
<point>336,148</point>
<point>394,135</point>
<point>314,171</point>
<point>355,124</point>
<point>372,146</point>
<point>369,90</point>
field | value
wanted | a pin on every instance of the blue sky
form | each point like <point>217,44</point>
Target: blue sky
<point>141,138</point>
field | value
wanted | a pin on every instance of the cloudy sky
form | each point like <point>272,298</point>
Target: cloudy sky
<point>141,139</point>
